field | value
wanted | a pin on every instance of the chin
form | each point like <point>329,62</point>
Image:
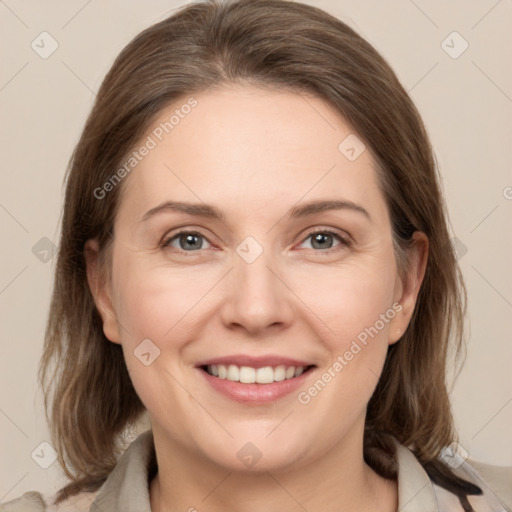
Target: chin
<point>253,454</point>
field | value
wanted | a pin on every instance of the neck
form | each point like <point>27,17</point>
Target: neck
<point>338,481</point>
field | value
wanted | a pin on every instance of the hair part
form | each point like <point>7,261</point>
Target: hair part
<point>89,397</point>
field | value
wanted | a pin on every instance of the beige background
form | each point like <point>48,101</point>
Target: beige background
<point>466,104</point>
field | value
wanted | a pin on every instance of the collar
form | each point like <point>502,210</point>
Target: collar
<point>127,486</point>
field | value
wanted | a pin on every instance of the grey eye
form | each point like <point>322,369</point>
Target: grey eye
<point>187,241</point>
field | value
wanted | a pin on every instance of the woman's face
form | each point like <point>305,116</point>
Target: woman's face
<point>234,281</point>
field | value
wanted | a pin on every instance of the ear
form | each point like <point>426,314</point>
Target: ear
<point>100,290</point>
<point>407,289</point>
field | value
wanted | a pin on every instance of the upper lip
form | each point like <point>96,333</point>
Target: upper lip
<point>254,361</point>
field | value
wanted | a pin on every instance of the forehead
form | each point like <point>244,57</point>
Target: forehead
<point>252,147</point>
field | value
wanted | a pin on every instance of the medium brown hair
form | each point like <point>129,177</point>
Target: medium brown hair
<point>89,397</point>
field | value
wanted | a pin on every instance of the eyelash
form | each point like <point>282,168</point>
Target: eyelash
<point>344,240</point>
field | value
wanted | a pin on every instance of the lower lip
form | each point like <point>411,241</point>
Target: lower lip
<point>255,393</point>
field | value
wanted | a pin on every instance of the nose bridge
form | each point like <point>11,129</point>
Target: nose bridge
<point>256,298</point>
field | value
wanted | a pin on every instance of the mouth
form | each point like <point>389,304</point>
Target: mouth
<point>255,381</point>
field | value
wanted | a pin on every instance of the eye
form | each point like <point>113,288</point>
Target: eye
<point>187,241</point>
<point>191,241</point>
<point>323,239</point>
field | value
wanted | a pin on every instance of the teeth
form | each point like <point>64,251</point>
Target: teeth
<point>279,373</point>
<point>233,373</point>
<point>248,375</point>
<point>265,375</point>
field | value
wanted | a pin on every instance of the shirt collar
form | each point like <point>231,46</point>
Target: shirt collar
<point>127,486</point>
<point>415,491</point>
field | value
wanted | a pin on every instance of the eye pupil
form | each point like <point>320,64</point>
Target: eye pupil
<point>320,238</point>
<point>190,239</point>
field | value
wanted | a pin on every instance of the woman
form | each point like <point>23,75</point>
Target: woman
<point>255,253</point>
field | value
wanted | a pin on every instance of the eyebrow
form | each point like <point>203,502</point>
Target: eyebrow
<point>300,211</point>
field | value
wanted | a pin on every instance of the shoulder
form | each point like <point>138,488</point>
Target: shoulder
<point>497,478</point>
<point>35,502</point>
<point>29,502</point>
<point>494,481</point>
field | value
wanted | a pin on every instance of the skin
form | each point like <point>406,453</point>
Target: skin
<point>254,154</point>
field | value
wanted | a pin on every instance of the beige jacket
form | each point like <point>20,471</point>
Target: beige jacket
<point>127,487</point>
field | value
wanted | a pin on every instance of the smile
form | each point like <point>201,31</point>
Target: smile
<point>255,380</point>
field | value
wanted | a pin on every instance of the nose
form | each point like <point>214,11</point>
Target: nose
<point>257,297</point>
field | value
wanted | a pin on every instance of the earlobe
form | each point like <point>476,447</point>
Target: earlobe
<point>100,290</point>
<point>408,288</point>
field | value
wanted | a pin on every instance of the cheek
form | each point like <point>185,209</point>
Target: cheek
<point>157,303</point>
<point>349,299</point>
<point>354,307</point>
<point>357,306</point>
<point>151,306</point>
<point>145,310</point>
